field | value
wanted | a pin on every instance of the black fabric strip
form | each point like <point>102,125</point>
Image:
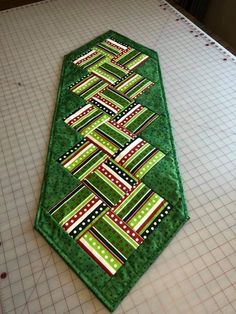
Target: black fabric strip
<point>119,94</point>
<point>137,83</point>
<point>94,62</point>
<point>106,50</point>
<point>102,107</point>
<point>109,72</point>
<point>138,205</point>
<point>85,222</point>
<point>124,175</point>
<point>85,161</point>
<point>93,189</point>
<point>110,139</point>
<point>51,210</point>
<point>152,152</point>
<point>144,123</point>
<point>88,122</point>
<point>87,89</point>
<point>73,148</point>
<point>136,56</point>
<point>111,248</point>
<point>152,227</point>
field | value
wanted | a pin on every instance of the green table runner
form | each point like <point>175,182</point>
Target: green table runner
<point>112,196</point>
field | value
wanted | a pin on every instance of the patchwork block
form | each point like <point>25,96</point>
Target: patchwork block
<point>135,118</point>
<point>82,159</point>
<point>86,119</point>
<point>111,72</point>
<point>138,157</point>
<point>89,86</point>
<point>142,209</point>
<point>134,85</point>
<point>110,137</point>
<point>111,101</point>
<point>78,211</point>
<point>110,241</point>
<point>130,58</point>
<point>110,182</point>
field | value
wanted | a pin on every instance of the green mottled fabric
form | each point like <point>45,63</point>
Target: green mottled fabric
<point>164,178</point>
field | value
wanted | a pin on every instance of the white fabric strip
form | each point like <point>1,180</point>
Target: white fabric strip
<point>83,216</point>
<point>148,214</point>
<point>117,44</point>
<point>100,144</point>
<point>127,149</point>
<point>85,56</point>
<point>78,112</point>
<point>76,156</point>
<point>91,249</point>
<point>136,64</point>
<point>117,176</point>
<point>126,82</point>
<point>129,113</point>
<point>104,104</point>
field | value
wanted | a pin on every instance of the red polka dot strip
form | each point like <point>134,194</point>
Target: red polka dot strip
<point>121,54</point>
<point>129,116</point>
<point>115,44</point>
<point>116,180</point>
<point>81,212</point>
<point>130,151</point>
<point>105,102</point>
<point>73,151</point>
<point>79,114</point>
<point>121,224</point>
<point>85,57</point>
<point>121,128</point>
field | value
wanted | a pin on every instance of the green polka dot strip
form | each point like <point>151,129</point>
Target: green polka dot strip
<point>91,60</point>
<point>112,196</point>
<point>134,85</point>
<point>111,72</point>
<point>130,58</point>
<point>135,118</point>
<point>88,86</point>
<point>86,119</point>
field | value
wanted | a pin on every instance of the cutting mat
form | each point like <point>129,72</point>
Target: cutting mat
<point>196,273</point>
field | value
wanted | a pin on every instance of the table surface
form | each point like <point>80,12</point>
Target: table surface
<point>196,272</point>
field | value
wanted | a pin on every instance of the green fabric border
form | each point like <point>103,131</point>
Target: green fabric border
<point>110,290</point>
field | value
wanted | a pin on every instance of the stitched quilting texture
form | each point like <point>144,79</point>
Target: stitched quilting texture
<point>112,196</point>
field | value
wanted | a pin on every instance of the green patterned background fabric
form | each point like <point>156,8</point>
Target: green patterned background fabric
<point>93,171</point>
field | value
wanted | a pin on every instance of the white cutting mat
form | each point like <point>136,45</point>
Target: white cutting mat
<point>196,272</point>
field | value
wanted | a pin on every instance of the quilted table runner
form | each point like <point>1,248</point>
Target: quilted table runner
<point>112,196</point>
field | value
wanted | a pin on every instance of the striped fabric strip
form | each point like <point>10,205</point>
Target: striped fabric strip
<point>110,137</point>
<point>100,253</point>
<point>138,157</point>
<point>86,119</point>
<point>135,118</point>
<point>110,241</point>
<point>142,209</point>
<point>111,101</point>
<point>91,60</point>
<point>134,85</point>
<point>111,72</point>
<point>82,158</point>
<point>78,211</point>
<point>89,86</point>
<point>131,58</point>
<point>110,182</point>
